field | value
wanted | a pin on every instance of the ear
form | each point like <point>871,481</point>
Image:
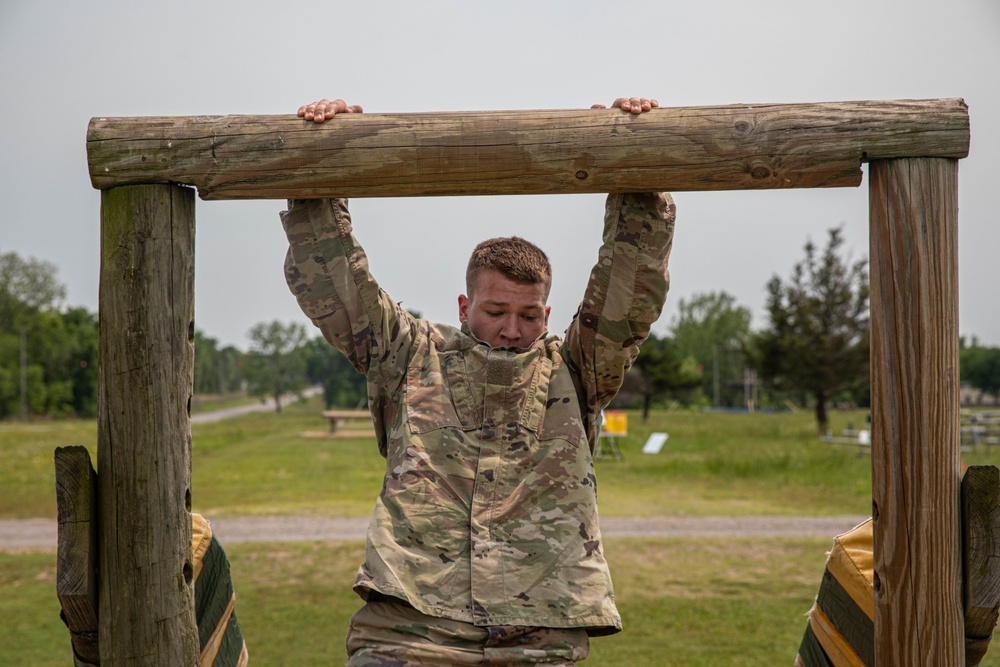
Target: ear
<point>463,308</point>
<point>548,309</point>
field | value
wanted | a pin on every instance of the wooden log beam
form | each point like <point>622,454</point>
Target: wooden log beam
<point>144,429</point>
<point>734,147</point>
<point>981,558</point>
<point>916,468</point>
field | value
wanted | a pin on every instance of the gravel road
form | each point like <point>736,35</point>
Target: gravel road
<point>41,533</point>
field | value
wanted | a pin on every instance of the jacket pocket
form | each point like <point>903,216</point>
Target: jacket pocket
<point>559,413</point>
<point>438,393</point>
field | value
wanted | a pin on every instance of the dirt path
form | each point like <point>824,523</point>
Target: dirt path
<point>41,533</point>
<point>266,405</point>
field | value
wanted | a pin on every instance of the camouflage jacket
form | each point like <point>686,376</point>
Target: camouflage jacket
<point>488,510</point>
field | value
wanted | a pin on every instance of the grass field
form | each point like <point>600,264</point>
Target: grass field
<point>684,602</point>
<point>258,464</point>
<point>712,464</point>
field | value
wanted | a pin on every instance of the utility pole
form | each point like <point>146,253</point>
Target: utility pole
<point>24,376</point>
<point>715,375</point>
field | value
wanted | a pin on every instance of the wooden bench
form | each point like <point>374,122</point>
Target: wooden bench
<point>861,439</point>
<point>344,424</point>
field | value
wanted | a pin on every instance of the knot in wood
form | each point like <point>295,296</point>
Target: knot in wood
<point>760,172</point>
<point>582,175</point>
<point>743,126</point>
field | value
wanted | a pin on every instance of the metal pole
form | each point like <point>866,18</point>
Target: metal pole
<point>24,376</point>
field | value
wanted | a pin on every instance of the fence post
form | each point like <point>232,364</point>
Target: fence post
<point>144,429</point>
<point>916,468</point>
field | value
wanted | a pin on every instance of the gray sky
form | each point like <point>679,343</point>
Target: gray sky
<point>62,63</point>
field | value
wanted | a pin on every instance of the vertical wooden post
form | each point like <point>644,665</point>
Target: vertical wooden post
<point>916,470</point>
<point>144,430</point>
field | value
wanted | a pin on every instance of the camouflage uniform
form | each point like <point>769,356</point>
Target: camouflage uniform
<point>488,511</point>
<point>390,633</point>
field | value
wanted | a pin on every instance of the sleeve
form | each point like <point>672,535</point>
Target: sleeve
<point>327,271</point>
<point>624,296</point>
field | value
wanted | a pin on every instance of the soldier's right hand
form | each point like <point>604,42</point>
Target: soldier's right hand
<point>325,109</point>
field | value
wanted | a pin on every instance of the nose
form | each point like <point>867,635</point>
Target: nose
<point>510,329</point>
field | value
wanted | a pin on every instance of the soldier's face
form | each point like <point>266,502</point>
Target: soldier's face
<point>504,313</point>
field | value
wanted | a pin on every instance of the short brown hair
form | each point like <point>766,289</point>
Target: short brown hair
<point>512,257</point>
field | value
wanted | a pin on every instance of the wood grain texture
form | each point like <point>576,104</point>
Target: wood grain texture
<point>144,428</point>
<point>916,469</point>
<point>76,559</point>
<point>734,147</point>
<point>981,558</point>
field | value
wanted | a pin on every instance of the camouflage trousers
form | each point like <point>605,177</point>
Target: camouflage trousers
<point>390,633</point>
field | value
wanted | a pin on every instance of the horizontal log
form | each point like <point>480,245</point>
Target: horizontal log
<point>736,147</point>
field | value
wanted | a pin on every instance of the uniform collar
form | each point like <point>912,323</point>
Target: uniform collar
<point>538,341</point>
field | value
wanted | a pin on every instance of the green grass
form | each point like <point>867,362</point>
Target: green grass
<point>735,464</point>
<point>712,464</point>
<point>259,464</point>
<point>31,633</point>
<point>27,476</point>
<point>706,602</point>
<point>684,602</point>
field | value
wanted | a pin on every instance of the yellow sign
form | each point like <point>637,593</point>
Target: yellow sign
<point>615,422</point>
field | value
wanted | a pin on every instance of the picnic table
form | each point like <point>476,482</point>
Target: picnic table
<point>861,438</point>
<point>345,424</point>
<point>339,423</point>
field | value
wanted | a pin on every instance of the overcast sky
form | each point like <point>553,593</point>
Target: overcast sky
<point>62,63</point>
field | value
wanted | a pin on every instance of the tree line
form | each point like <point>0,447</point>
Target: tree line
<point>49,353</point>
<point>813,349</point>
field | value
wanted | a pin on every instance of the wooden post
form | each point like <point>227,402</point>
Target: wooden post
<point>981,558</point>
<point>916,470</point>
<point>146,299</point>
<point>76,560</point>
<point>144,429</point>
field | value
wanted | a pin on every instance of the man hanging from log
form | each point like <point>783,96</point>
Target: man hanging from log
<point>484,546</point>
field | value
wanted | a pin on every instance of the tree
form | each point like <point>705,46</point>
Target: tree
<point>81,328</point>
<point>48,359</point>
<point>980,367</point>
<point>817,340</point>
<point>713,330</point>
<point>659,371</point>
<point>343,385</point>
<point>26,286</point>
<point>275,363</point>
<point>216,370</point>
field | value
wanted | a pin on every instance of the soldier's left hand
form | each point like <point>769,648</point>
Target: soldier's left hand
<point>635,105</point>
<point>325,109</point>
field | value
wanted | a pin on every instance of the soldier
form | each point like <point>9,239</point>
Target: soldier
<point>484,546</point>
